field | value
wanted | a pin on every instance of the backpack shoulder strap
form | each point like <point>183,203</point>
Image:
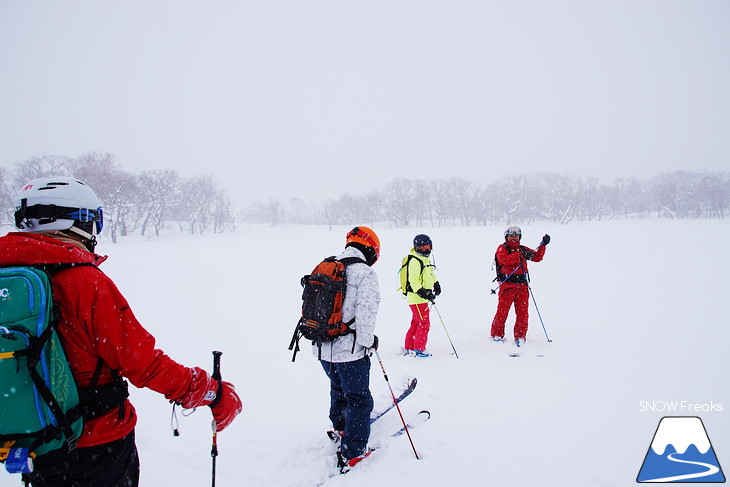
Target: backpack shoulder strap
<point>411,257</point>
<point>52,269</point>
<point>352,260</point>
<point>406,265</point>
<point>497,266</point>
<point>94,400</point>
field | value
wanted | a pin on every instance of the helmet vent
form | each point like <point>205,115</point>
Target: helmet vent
<point>52,185</point>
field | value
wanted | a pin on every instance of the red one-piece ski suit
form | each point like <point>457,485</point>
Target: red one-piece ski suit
<point>514,289</point>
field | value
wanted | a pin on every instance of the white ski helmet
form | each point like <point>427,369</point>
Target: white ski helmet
<point>513,231</point>
<point>59,203</point>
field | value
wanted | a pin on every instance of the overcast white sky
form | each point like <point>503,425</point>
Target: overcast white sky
<point>277,97</point>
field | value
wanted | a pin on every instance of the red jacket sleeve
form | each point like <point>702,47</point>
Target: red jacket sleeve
<point>539,254</point>
<point>97,322</point>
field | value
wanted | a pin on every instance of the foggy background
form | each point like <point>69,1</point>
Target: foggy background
<point>278,99</point>
<point>149,202</point>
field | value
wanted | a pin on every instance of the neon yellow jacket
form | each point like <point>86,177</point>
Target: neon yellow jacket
<point>420,275</point>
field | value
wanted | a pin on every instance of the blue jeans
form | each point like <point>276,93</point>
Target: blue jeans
<point>350,403</point>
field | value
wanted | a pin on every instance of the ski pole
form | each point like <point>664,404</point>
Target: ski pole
<point>217,376</point>
<point>538,313</point>
<point>447,331</point>
<point>494,291</point>
<point>395,402</point>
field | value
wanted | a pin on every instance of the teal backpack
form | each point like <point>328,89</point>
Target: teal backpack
<point>39,400</point>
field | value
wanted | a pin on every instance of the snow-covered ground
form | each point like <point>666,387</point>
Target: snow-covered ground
<point>637,311</point>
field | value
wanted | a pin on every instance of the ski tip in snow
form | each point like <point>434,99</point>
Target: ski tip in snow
<point>419,419</point>
<point>518,354</point>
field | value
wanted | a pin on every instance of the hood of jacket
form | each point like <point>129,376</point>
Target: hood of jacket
<point>513,244</point>
<point>20,248</point>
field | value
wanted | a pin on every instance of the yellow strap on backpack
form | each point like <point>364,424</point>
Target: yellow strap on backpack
<point>5,450</point>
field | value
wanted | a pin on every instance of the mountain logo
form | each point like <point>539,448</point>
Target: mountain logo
<point>681,452</point>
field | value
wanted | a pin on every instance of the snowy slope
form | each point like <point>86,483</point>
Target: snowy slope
<point>637,311</point>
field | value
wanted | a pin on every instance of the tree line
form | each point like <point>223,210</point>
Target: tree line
<point>143,203</point>
<point>519,199</point>
<point>151,201</point>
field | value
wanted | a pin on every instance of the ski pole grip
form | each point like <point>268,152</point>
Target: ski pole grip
<point>217,376</point>
<point>217,365</point>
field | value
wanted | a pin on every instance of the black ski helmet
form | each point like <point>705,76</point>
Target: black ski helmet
<point>422,244</point>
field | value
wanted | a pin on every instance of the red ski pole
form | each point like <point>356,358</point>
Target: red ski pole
<point>395,401</point>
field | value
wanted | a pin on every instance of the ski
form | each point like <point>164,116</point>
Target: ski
<point>418,420</point>
<point>406,392</point>
<point>335,435</point>
<point>415,422</point>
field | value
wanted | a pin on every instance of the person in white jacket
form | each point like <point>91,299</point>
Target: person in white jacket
<point>346,360</point>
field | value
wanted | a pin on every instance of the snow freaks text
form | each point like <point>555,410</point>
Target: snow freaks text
<point>681,407</point>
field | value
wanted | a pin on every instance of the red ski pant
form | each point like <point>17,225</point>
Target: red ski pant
<point>520,296</point>
<point>417,334</point>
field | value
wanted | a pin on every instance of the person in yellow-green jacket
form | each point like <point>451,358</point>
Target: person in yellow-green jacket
<point>421,286</point>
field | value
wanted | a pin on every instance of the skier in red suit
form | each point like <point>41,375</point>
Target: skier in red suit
<point>511,260</point>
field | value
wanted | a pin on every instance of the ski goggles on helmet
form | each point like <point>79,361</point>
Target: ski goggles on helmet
<point>51,213</point>
<point>424,249</point>
<point>513,231</point>
<point>88,216</point>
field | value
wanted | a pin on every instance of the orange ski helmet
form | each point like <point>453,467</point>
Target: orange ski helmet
<point>368,239</point>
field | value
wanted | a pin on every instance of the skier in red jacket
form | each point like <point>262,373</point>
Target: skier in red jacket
<point>511,260</point>
<point>59,219</point>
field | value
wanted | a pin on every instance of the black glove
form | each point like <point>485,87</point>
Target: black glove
<point>546,239</point>
<point>426,294</point>
<point>436,288</point>
<point>369,351</point>
<point>528,254</point>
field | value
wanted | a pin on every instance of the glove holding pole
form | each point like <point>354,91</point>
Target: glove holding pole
<point>210,390</point>
<point>427,294</point>
<point>225,407</point>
